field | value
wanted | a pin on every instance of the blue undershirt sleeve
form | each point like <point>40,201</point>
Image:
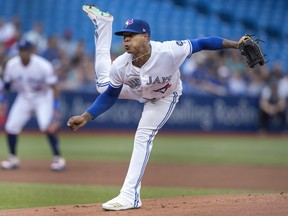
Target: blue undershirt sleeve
<point>104,101</point>
<point>206,43</point>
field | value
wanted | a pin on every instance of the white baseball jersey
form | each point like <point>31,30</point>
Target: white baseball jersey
<point>33,80</point>
<point>159,76</point>
<point>33,85</point>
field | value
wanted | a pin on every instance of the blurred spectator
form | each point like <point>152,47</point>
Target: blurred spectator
<point>256,81</point>
<point>235,62</point>
<point>272,108</point>
<point>10,33</point>
<point>194,74</point>
<point>218,75</point>
<point>223,71</point>
<point>276,72</point>
<point>236,84</point>
<point>283,91</point>
<point>67,43</point>
<point>7,30</point>
<point>223,81</point>
<point>79,75</point>
<point>187,73</point>
<point>200,75</point>
<point>283,86</point>
<point>37,37</point>
<point>53,53</point>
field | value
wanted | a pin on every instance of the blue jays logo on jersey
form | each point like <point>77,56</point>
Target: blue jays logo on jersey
<point>163,89</point>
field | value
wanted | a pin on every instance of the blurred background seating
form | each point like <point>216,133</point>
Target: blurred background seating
<point>169,19</point>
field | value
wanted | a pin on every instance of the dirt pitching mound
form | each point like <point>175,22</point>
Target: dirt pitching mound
<point>224,205</point>
<point>196,176</point>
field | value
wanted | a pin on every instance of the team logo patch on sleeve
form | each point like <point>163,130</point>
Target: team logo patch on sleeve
<point>134,83</point>
<point>179,43</point>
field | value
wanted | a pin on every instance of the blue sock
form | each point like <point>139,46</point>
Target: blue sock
<point>12,142</point>
<point>53,140</point>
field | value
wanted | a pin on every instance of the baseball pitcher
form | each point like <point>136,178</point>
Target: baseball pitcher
<point>148,72</point>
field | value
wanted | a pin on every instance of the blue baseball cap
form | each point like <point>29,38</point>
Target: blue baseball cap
<point>138,26</point>
<point>25,45</point>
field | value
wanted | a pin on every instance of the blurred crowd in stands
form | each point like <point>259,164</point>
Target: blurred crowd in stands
<point>72,63</point>
<point>219,73</point>
<point>226,73</point>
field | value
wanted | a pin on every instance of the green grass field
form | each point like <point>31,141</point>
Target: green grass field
<point>248,150</point>
<point>201,149</point>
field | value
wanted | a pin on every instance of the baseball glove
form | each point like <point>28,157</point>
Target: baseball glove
<point>251,50</point>
<point>55,123</point>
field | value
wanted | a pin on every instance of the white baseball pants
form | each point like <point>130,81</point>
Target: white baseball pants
<point>23,108</point>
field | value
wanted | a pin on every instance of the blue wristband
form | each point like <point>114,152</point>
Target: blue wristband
<point>56,104</point>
